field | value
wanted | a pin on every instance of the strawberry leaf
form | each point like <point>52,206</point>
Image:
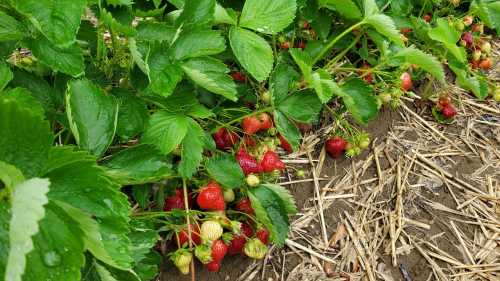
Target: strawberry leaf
<point>196,13</point>
<point>166,131</point>
<point>138,165</point>
<point>476,84</point>
<point>287,129</point>
<point>133,115</point>
<point>192,149</point>
<point>271,210</point>
<point>304,61</point>
<point>92,115</point>
<point>346,8</point>
<point>29,195</point>
<point>385,26</point>
<point>58,20</point>
<point>211,74</point>
<point>225,170</point>
<point>268,17</point>
<point>252,52</point>
<point>303,106</point>
<point>359,100</point>
<point>5,74</point>
<point>26,137</point>
<point>10,28</point>
<point>163,74</point>
<point>448,36</point>
<point>427,62</point>
<point>197,42</point>
<point>282,81</point>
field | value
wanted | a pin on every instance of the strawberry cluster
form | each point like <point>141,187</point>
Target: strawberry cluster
<point>476,43</point>
<point>226,223</point>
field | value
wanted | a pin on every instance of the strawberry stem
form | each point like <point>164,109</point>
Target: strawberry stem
<point>186,206</point>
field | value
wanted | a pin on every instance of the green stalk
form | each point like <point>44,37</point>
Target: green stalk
<point>186,206</point>
<point>334,41</point>
<point>343,53</point>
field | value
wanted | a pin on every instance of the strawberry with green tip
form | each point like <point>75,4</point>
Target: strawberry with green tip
<point>182,237</point>
<point>255,249</point>
<point>247,162</point>
<point>251,125</point>
<point>266,121</point>
<point>336,146</point>
<point>219,250</point>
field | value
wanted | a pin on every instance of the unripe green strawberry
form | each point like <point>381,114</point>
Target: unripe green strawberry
<point>486,48</point>
<point>182,259</point>
<point>364,141</point>
<point>252,180</point>
<point>228,195</point>
<point>300,174</point>
<point>496,96</point>
<point>265,96</point>
<point>255,249</point>
<point>211,231</point>
<point>353,151</point>
<point>459,25</point>
<point>203,253</point>
<point>455,3</point>
<point>476,55</point>
<point>385,97</point>
<point>468,20</point>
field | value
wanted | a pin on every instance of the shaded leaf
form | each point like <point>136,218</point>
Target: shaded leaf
<point>427,62</point>
<point>304,61</point>
<point>5,75</point>
<point>282,80</point>
<point>359,100</point>
<point>68,60</point>
<point>385,26</point>
<point>163,73</point>
<point>10,28</point>
<point>287,129</point>
<point>197,13</point>
<point>346,8</point>
<point>303,106</point>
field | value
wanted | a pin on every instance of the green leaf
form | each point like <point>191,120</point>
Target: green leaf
<point>133,116</point>
<point>4,233</point>
<point>58,20</point>
<point>5,75</point>
<point>192,149</point>
<point>370,7</point>
<point>303,106</point>
<point>252,52</point>
<point>488,11</point>
<point>10,28</point>
<point>90,233</point>
<point>359,100</point>
<point>268,17</point>
<point>115,24</point>
<point>223,16</point>
<point>26,137</point>
<point>68,60</point>
<point>271,210</point>
<point>28,203</point>
<point>346,8</point>
<point>385,26</point>
<point>211,74</point>
<point>92,115</point>
<point>163,73</point>
<point>24,98</point>
<point>138,165</point>
<point>154,31</point>
<point>39,88</point>
<point>449,36</point>
<point>119,2</point>
<point>138,57</point>
<point>476,84</point>
<point>77,180</point>
<point>285,196</point>
<point>225,170</point>
<point>10,175</point>
<point>197,13</point>
<point>287,129</point>
<point>427,62</point>
<point>304,61</point>
<point>323,85</point>
<point>282,81</point>
<point>166,131</point>
<point>197,43</point>
<point>58,248</point>
<point>104,274</point>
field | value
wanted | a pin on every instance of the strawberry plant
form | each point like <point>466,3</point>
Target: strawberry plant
<point>138,132</point>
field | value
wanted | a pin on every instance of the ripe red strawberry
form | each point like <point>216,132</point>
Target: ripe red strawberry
<point>305,25</point>
<point>174,202</point>
<point>406,30</point>
<point>485,64</point>
<point>225,139</point>
<point>263,235</point>
<point>219,250</point>
<point>249,141</point>
<point>406,83</point>
<point>474,64</point>
<point>211,197</point>
<point>247,162</point>
<point>271,161</point>
<point>366,71</point>
<point>285,45</point>
<point>236,245</point>
<point>245,206</point>
<point>468,39</point>
<point>427,18</point>
<point>183,236</point>
<point>449,111</point>
<point>238,76</point>
<point>301,45</point>
<point>285,145</point>
<point>246,230</point>
<point>251,125</point>
<point>336,146</point>
<point>213,266</point>
<point>266,121</point>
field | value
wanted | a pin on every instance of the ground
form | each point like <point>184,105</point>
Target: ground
<point>421,204</point>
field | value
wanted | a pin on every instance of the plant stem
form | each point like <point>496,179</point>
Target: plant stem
<point>186,206</point>
<point>342,54</point>
<point>335,40</point>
